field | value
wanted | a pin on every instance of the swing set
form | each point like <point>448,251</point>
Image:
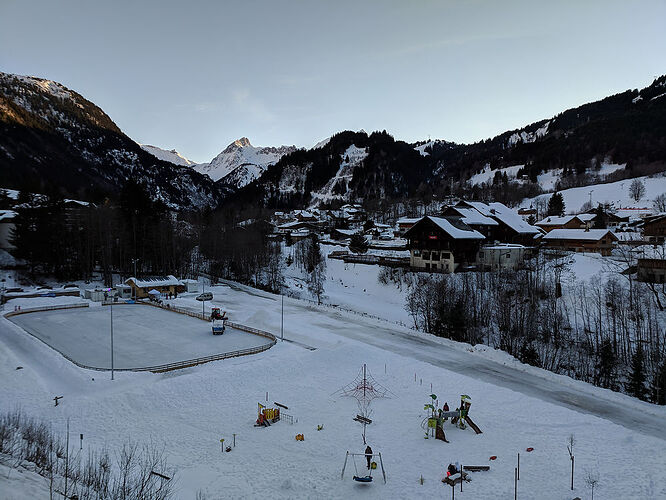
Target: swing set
<point>368,477</point>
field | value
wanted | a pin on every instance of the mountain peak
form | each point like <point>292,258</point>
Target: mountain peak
<point>243,142</point>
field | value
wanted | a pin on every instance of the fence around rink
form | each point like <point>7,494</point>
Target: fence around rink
<point>167,366</point>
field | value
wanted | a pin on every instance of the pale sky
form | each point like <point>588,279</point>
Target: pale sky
<point>196,75</point>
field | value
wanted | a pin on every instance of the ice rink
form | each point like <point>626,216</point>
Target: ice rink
<point>143,336</point>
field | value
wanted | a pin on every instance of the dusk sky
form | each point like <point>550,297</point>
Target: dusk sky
<point>196,75</point>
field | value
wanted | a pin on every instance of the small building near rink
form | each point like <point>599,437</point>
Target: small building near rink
<point>165,285</point>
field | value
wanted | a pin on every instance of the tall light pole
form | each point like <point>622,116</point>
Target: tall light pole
<point>111,309</point>
<point>282,321</point>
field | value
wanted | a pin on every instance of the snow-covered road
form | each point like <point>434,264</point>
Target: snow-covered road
<point>560,390</point>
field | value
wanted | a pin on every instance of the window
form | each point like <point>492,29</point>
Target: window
<point>427,267</point>
<point>417,253</point>
<point>434,266</point>
<point>434,256</point>
<point>446,255</point>
<point>426,255</point>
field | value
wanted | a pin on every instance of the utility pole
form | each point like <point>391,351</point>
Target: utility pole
<point>111,309</point>
<point>282,321</point>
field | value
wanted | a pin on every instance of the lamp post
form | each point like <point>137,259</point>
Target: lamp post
<point>111,309</point>
<point>282,321</point>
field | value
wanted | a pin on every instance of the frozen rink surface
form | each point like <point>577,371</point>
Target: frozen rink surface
<point>143,336</point>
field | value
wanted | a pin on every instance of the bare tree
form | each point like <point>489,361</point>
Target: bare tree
<point>659,203</point>
<point>636,190</point>
<point>591,479</point>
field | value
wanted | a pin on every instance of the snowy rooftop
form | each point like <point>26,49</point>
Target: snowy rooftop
<point>409,220</point>
<point>459,231</point>
<point>157,281</point>
<point>7,215</point>
<point>474,217</point>
<point>578,234</point>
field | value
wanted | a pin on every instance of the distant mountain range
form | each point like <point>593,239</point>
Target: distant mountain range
<point>53,138</point>
<point>171,156</point>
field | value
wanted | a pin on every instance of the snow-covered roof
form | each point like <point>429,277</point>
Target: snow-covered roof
<point>503,246</point>
<point>586,217</point>
<point>295,224</point>
<point>474,217</point>
<point>7,215</point>
<point>459,231</point>
<point>347,232</point>
<point>157,281</point>
<point>578,234</point>
<point>409,220</point>
<point>502,213</point>
<point>553,220</point>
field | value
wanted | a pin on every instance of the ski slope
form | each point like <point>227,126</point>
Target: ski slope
<point>189,411</point>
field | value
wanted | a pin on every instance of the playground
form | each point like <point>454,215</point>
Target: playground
<point>144,336</point>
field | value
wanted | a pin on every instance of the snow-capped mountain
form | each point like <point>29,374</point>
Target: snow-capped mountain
<point>338,186</point>
<point>241,153</point>
<point>171,156</point>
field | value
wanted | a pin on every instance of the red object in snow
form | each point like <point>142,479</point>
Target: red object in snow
<point>493,457</point>
<point>529,449</point>
<point>448,473</point>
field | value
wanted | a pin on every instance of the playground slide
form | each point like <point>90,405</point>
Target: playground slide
<point>472,425</point>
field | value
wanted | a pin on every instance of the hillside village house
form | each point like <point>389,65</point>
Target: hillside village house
<point>165,285</point>
<point>473,218</point>
<point>438,244</point>
<point>404,224</point>
<point>511,227</point>
<point>654,228</point>
<point>581,240</point>
<point>500,256</point>
<point>652,270</point>
<point>580,221</point>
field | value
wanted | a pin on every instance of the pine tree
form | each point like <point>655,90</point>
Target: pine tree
<point>605,368</point>
<point>556,204</point>
<point>659,386</point>
<point>358,244</point>
<point>636,385</point>
<point>600,218</point>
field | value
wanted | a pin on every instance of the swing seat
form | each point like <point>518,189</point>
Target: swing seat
<point>363,479</point>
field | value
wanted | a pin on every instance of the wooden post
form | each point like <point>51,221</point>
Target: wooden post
<point>461,477</point>
<point>266,395</point>
<point>515,484</point>
<point>572,471</point>
<point>81,444</point>
<point>518,466</point>
<point>234,440</point>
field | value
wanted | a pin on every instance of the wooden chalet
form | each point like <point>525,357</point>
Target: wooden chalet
<point>442,245</point>
<point>581,240</point>
<point>580,221</point>
<point>167,285</point>
<point>654,228</point>
<point>652,270</point>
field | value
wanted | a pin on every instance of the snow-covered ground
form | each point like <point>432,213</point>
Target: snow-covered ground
<point>144,336</point>
<point>189,411</point>
<point>615,193</point>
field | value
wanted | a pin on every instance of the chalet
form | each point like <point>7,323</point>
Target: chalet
<point>439,244</point>
<point>654,228</point>
<point>582,221</point>
<point>500,256</point>
<point>342,234</point>
<point>652,270</point>
<point>353,213</point>
<point>608,219</point>
<point>511,227</point>
<point>526,213</point>
<point>581,240</point>
<point>305,216</point>
<point>295,225</point>
<point>142,287</point>
<point>404,224</point>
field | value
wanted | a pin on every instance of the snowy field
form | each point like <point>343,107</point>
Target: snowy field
<point>614,193</point>
<point>143,336</point>
<point>190,410</point>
